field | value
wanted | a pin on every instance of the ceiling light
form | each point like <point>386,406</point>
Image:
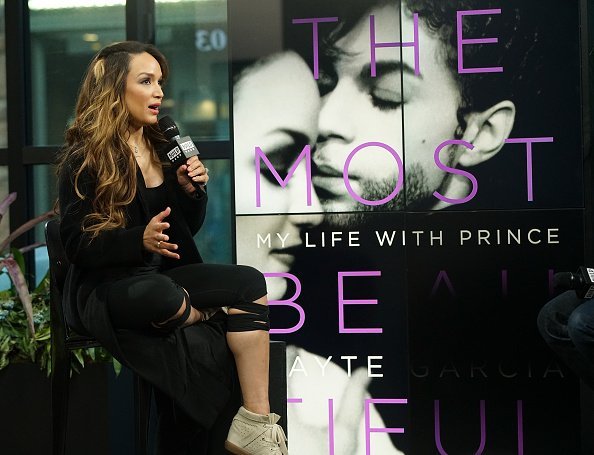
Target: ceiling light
<point>90,37</point>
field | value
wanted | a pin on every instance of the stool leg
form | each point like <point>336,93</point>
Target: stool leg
<point>59,382</point>
<point>142,409</point>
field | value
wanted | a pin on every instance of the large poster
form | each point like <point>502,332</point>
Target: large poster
<point>408,175</point>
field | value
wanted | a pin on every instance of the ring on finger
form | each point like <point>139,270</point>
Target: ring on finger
<point>159,244</point>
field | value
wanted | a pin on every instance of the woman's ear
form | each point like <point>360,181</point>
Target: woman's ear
<point>487,131</point>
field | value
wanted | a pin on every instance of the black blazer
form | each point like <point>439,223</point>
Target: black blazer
<point>119,252</point>
<point>193,365</point>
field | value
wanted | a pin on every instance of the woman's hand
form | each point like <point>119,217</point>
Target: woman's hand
<point>155,240</point>
<point>193,171</point>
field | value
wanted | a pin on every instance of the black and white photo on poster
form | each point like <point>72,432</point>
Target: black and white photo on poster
<point>342,136</point>
<point>504,96</point>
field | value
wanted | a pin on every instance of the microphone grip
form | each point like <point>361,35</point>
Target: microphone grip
<point>178,153</point>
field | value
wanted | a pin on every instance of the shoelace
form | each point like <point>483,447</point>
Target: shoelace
<point>279,438</point>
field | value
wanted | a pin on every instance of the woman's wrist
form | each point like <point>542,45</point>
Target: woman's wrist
<point>189,189</point>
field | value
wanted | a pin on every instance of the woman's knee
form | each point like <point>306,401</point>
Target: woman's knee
<point>553,317</point>
<point>580,325</point>
<point>144,301</point>
<point>181,316</point>
<point>164,297</point>
<point>253,284</point>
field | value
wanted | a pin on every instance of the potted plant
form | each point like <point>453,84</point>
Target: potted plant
<point>25,364</point>
<point>24,315</point>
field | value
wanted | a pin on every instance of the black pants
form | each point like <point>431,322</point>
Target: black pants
<point>142,300</point>
<point>152,297</point>
<point>567,325</point>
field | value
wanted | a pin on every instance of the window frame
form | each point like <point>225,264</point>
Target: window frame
<point>21,155</point>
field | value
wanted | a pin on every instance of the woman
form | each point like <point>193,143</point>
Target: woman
<point>137,278</point>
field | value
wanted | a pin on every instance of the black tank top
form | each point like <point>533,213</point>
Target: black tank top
<point>156,199</point>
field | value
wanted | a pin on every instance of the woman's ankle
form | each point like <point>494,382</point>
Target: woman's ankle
<point>195,317</point>
<point>258,408</point>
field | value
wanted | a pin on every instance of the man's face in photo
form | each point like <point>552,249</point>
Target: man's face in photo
<point>358,108</point>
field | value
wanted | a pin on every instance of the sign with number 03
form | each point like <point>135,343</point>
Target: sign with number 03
<point>211,40</point>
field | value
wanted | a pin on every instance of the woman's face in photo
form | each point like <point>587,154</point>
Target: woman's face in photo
<point>143,93</point>
<point>276,104</point>
<point>275,108</point>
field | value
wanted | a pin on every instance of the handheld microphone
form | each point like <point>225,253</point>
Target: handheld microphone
<point>582,282</point>
<point>180,148</point>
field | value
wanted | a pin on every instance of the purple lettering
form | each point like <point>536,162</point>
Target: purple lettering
<point>315,21</point>
<point>520,411</point>
<point>551,274</point>
<point>369,429</point>
<point>399,182</point>
<point>375,45</point>
<point>331,425</point>
<point>483,428</point>
<point>528,141</point>
<point>305,153</point>
<point>288,302</point>
<point>462,41</point>
<point>342,302</point>
<point>443,276</point>
<point>438,444</point>
<point>451,170</point>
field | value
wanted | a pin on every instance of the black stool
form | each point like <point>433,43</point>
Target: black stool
<point>64,341</point>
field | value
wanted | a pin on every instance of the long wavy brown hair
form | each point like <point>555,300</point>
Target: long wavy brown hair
<point>96,142</point>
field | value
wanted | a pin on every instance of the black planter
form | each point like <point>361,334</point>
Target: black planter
<point>100,414</point>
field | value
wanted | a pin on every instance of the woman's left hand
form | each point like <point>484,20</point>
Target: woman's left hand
<point>193,172</point>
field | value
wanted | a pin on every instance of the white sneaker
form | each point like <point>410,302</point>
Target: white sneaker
<point>256,434</point>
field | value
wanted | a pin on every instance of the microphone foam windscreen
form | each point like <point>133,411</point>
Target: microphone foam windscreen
<point>168,127</point>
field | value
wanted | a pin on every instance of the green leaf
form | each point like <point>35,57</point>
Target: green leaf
<point>117,366</point>
<point>3,361</point>
<point>43,334</point>
<point>79,356</point>
<point>74,368</point>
